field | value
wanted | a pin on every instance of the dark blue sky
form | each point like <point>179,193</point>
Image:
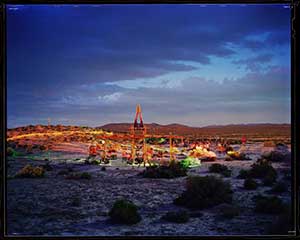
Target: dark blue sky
<point>191,64</point>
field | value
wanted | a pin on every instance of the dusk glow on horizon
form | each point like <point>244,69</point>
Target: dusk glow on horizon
<point>191,64</point>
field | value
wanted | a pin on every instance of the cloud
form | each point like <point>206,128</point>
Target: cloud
<point>110,98</point>
<point>254,63</point>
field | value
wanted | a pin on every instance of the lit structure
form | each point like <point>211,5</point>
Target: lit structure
<point>137,136</point>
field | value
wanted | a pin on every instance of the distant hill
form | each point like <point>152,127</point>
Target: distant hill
<point>263,129</point>
<point>233,130</point>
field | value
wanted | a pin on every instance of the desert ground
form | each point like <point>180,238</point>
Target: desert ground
<point>54,205</point>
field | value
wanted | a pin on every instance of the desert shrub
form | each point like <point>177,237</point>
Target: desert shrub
<point>31,172</point>
<point>204,192</point>
<point>262,169</point>
<point>229,211</point>
<point>63,172</point>
<point>43,147</point>
<point>173,170</point>
<point>219,168</point>
<point>269,179</point>
<point>77,176</point>
<point>270,205</point>
<point>277,156</point>
<point>243,174</point>
<point>279,187</point>
<point>283,223</point>
<point>85,175</point>
<point>9,151</point>
<point>124,212</point>
<point>47,167</point>
<point>250,184</point>
<point>177,217</point>
<point>76,201</point>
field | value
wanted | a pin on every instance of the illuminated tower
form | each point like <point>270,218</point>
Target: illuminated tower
<point>138,132</point>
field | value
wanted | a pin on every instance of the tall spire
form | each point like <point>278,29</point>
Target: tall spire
<point>138,114</point>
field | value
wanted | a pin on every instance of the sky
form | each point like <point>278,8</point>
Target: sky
<point>192,64</point>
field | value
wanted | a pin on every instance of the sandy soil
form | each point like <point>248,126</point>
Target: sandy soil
<point>54,205</point>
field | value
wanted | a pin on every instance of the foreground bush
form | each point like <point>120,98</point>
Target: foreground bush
<point>244,174</point>
<point>172,171</point>
<point>204,192</point>
<point>31,172</point>
<point>177,217</point>
<point>124,212</point>
<point>219,168</point>
<point>76,176</point>
<point>9,151</point>
<point>229,211</point>
<point>280,154</point>
<point>250,184</point>
<point>261,169</point>
<point>279,187</point>
<point>270,205</point>
<point>283,223</point>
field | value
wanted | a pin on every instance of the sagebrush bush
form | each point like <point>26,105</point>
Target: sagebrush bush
<point>270,205</point>
<point>47,167</point>
<point>204,192</point>
<point>85,175</point>
<point>283,223</point>
<point>261,169</point>
<point>31,172</point>
<point>250,184</point>
<point>9,151</point>
<point>279,187</point>
<point>244,174</point>
<point>229,211</point>
<point>177,217</point>
<point>76,176</point>
<point>173,170</point>
<point>269,179</point>
<point>277,156</point>
<point>124,212</point>
<point>219,168</point>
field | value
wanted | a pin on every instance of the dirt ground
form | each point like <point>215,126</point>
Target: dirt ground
<point>54,205</point>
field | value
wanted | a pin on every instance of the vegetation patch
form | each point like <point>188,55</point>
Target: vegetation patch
<point>229,211</point>
<point>204,192</point>
<point>30,172</point>
<point>177,217</point>
<point>13,153</point>
<point>250,184</point>
<point>269,205</point>
<point>261,169</point>
<point>47,167</point>
<point>76,176</point>
<point>173,170</point>
<point>283,223</point>
<point>244,174</point>
<point>124,212</point>
<point>219,168</point>
<point>279,187</point>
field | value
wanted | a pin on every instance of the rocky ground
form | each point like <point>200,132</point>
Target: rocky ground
<point>53,205</point>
